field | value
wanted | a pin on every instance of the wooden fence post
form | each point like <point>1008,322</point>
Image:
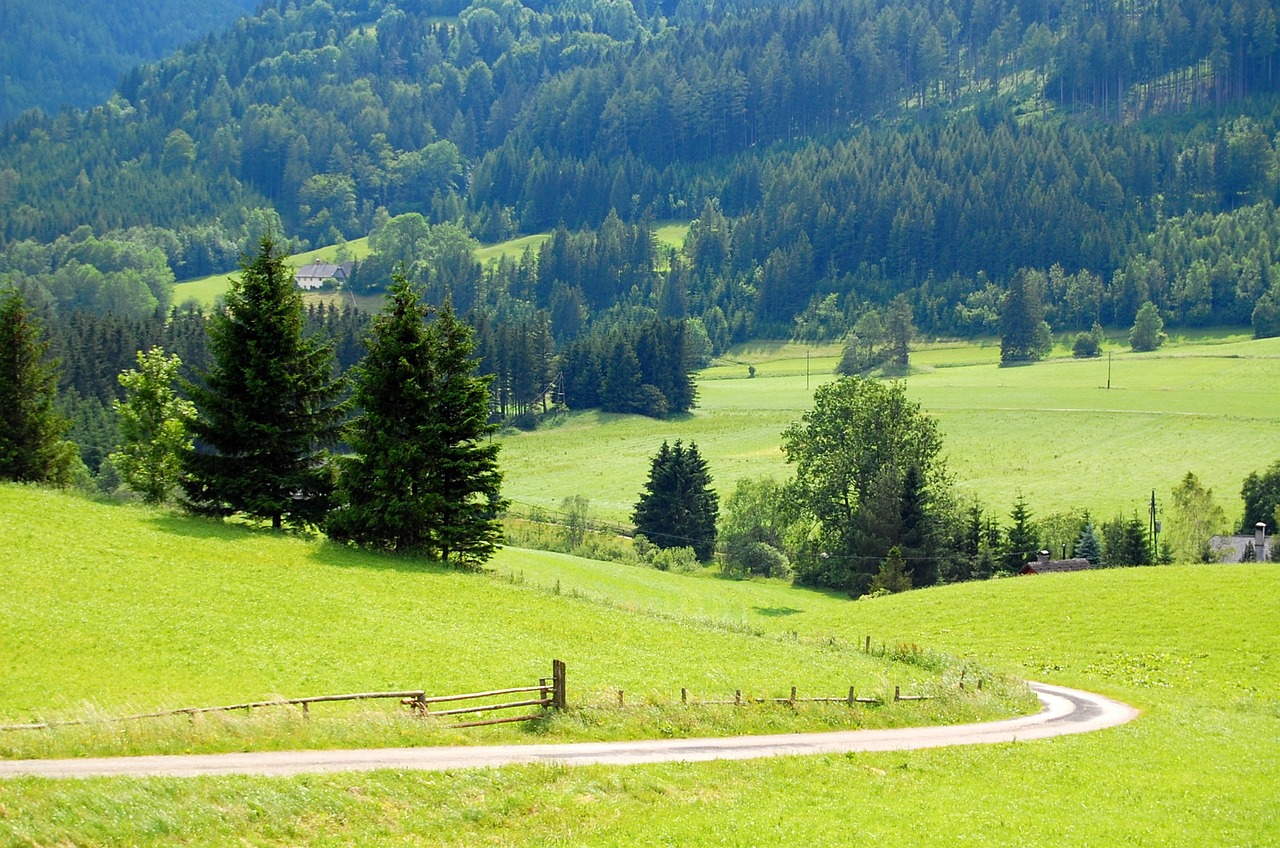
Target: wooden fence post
<point>684,695</point>
<point>793,696</point>
<point>737,697</point>
<point>897,693</point>
<point>558,685</point>
<point>867,649</point>
<point>851,696</point>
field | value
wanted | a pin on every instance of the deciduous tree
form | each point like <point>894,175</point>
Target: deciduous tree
<point>153,426</point>
<point>1194,516</point>
<point>855,452</point>
<point>1148,328</point>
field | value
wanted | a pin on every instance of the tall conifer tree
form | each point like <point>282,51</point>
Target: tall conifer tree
<point>267,408</point>
<point>678,508</point>
<point>32,448</point>
<point>422,478</point>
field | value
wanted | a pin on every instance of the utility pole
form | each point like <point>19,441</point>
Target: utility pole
<point>1155,530</point>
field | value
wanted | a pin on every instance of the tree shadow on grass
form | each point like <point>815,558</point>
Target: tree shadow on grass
<point>339,555</point>
<point>775,612</point>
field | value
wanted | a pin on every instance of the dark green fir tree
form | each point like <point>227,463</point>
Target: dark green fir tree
<point>678,508</point>
<point>32,448</point>
<point>423,477</point>
<point>268,407</point>
<point>1087,545</point>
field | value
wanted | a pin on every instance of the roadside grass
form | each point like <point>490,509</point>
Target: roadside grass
<point>1052,431</point>
<point>118,609</point>
<point>1194,647</point>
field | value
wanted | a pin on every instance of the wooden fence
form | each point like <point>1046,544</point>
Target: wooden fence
<point>551,694</point>
<point>738,700</point>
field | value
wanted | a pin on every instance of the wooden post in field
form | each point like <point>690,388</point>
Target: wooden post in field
<point>851,696</point>
<point>897,693</point>
<point>793,696</point>
<point>867,649</point>
<point>737,697</point>
<point>684,695</point>
<point>620,699</point>
<point>557,685</point>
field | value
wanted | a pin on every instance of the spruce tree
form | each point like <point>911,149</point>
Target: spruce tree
<point>1024,334</point>
<point>32,448</point>
<point>1022,541</point>
<point>1087,546</point>
<point>268,406</point>
<point>422,478</point>
<point>678,508</point>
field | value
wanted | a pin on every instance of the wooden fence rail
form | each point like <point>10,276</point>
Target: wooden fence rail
<point>553,695</point>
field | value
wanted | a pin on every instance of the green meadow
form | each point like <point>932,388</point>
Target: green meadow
<point>207,291</point>
<point>114,610</point>
<point>1052,431</point>
<point>123,607</point>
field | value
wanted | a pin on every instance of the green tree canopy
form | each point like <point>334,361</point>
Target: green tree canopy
<point>870,475</point>
<point>268,406</point>
<point>1194,516</point>
<point>422,477</point>
<point>1024,334</point>
<point>32,448</point>
<point>153,426</point>
<point>1261,495</point>
<point>678,507</point>
<point>1148,328</point>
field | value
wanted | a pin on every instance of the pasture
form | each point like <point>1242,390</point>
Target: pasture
<point>1053,431</point>
<point>115,610</point>
<point>1194,647</point>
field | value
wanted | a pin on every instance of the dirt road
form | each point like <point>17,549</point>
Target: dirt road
<point>1066,711</point>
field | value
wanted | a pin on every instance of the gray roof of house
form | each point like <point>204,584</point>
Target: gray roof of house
<point>1055,565</point>
<point>324,270</point>
<point>1231,548</point>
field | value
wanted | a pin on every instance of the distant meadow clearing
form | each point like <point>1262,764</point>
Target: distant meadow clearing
<point>1052,431</point>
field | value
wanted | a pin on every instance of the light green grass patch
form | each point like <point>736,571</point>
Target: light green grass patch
<point>1052,431</point>
<point>208,291</point>
<point>511,248</point>
<point>115,610</point>
<point>1194,647</point>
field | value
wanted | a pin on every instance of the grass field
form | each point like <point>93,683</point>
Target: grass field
<point>134,610</point>
<point>1052,431</point>
<point>211,608</point>
<point>207,290</point>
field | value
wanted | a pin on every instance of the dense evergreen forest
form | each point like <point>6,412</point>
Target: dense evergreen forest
<point>832,155</point>
<point>73,54</point>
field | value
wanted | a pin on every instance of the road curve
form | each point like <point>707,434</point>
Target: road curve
<point>1065,711</point>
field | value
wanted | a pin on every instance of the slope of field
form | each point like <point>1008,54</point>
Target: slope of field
<point>1194,647</point>
<point>112,610</point>
<point>1052,431</point>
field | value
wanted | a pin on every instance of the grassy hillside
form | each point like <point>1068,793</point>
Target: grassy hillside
<point>1053,431</point>
<point>134,610</point>
<point>1193,647</point>
<point>207,291</point>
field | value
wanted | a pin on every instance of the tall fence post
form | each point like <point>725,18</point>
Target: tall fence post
<point>557,685</point>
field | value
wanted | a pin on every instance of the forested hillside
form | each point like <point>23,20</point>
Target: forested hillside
<point>831,155</point>
<point>73,54</point>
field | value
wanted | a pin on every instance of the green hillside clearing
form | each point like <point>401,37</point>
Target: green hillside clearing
<point>1193,647</point>
<point>135,610</point>
<point>1053,431</point>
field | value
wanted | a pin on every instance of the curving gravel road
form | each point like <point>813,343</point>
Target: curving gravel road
<point>1065,711</point>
